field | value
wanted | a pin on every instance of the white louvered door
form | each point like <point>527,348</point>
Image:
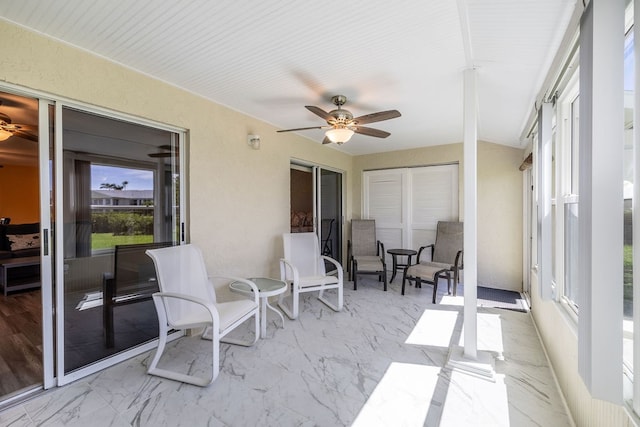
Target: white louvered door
<point>407,203</point>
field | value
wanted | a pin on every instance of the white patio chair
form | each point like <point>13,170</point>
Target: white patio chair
<point>187,300</point>
<point>303,269</point>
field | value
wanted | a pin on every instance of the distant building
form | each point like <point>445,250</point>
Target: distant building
<point>108,200</point>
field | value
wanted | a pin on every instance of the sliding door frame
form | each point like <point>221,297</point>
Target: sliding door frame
<point>62,377</point>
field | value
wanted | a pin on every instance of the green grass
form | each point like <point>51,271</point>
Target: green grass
<point>108,240</point>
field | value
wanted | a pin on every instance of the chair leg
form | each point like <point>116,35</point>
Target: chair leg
<point>162,341</point>
<point>384,276</point>
<point>456,281</point>
<point>355,280</point>
<point>435,287</point>
<point>293,313</point>
<point>334,307</point>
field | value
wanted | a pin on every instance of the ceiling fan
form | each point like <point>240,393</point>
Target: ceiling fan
<point>8,129</point>
<point>342,125</point>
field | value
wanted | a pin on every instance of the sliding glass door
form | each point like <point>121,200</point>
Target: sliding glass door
<point>117,195</point>
<point>317,206</point>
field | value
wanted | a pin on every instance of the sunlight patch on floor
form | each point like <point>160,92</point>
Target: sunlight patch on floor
<point>401,398</point>
<point>434,328</point>
<point>486,403</point>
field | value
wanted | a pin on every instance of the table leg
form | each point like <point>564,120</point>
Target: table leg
<point>276,311</point>
<point>4,279</point>
<point>263,317</point>
<point>395,267</point>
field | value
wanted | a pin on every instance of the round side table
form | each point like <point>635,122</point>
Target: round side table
<point>395,253</point>
<point>266,288</point>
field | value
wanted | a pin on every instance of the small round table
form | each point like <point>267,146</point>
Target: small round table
<point>266,288</point>
<point>397,266</point>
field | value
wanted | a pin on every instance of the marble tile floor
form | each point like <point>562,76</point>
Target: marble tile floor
<point>379,362</point>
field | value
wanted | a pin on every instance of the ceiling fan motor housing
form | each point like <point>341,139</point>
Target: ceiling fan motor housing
<point>340,117</point>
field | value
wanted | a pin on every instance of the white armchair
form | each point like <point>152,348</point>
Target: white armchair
<point>187,300</point>
<point>303,269</point>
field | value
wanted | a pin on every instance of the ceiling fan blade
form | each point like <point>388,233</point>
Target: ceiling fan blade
<point>318,112</point>
<point>293,130</point>
<point>326,140</point>
<point>159,155</point>
<point>26,135</point>
<point>369,131</point>
<point>376,117</point>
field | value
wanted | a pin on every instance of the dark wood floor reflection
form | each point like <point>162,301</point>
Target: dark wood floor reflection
<point>20,341</point>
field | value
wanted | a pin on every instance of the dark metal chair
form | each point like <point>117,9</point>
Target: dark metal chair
<point>446,257</point>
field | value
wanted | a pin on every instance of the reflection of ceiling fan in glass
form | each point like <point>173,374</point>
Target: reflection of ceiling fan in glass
<point>342,125</point>
<point>8,129</point>
<point>168,151</point>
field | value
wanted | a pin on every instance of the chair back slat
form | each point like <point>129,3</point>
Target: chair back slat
<point>181,269</point>
<point>449,240</point>
<point>363,237</point>
<point>303,251</point>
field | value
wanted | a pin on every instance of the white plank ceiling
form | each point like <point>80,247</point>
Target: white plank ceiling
<point>269,59</point>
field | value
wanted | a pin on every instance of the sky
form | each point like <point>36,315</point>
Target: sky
<point>138,179</point>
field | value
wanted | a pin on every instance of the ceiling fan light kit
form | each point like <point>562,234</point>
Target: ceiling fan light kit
<point>342,125</point>
<point>339,135</point>
<point>5,134</point>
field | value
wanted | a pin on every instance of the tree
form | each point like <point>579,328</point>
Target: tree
<point>110,186</point>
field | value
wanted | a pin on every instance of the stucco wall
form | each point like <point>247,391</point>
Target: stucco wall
<point>499,202</point>
<point>238,196</point>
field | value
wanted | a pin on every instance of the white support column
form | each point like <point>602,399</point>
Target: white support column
<point>469,359</point>
<point>470,215</point>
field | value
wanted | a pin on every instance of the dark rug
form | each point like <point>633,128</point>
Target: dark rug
<point>499,298</point>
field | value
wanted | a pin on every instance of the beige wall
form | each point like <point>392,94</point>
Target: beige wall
<point>559,334</point>
<point>238,196</point>
<point>499,202</point>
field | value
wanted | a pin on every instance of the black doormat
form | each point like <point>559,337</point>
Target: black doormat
<point>499,298</point>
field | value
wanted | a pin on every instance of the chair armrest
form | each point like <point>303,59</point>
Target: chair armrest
<point>215,316</point>
<point>249,283</point>
<point>380,249</point>
<point>459,260</point>
<point>337,264</point>
<point>432,246</point>
<point>284,265</point>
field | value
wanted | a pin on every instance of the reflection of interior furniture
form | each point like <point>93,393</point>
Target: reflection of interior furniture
<point>303,268</point>
<point>365,253</point>
<point>19,240</point>
<point>21,282</point>
<point>327,242</point>
<point>301,222</point>
<point>266,288</point>
<point>133,280</point>
<point>395,253</point>
<point>5,221</point>
<point>446,257</point>
<point>187,300</point>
